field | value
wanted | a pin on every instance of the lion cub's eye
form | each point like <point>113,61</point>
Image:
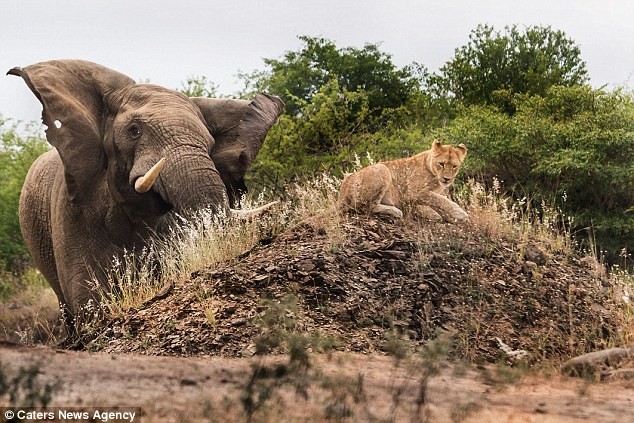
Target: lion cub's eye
<point>441,165</point>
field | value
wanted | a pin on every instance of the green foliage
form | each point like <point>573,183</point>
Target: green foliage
<point>574,145</point>
<point>16,155</point>
<point>300,75</point>
<point>339,102</point>
<point>199,86</point>
<point>332,128</point>
<point>326,129</point>
<point>493,65</point>
<point>254,82</point>
<point>342,102</point>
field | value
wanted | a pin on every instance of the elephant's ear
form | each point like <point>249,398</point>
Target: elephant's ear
<point>73,95</point>
<point>239,128</point>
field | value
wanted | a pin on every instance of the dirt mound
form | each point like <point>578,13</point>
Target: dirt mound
<point>496,296</point>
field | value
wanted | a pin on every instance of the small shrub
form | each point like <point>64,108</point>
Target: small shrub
<point>24,389</point>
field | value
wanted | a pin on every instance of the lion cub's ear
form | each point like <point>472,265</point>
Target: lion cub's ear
<point>436,145</point>
<point>463,149</point>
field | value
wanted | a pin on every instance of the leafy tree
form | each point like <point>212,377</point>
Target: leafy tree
<point>16,155</point>
<point>299,75</point>
<point>199,86</point>
<point>331,129</point>
<point>493,65</point>
<point>254,82</point>
<point>330,125</point>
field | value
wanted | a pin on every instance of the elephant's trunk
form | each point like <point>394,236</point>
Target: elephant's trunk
<point>192,183</point>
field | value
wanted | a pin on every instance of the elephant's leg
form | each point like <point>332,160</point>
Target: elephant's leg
<point>35,217</point>
<point>83,265</point>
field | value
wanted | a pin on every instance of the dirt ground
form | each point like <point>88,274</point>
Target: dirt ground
<point>349,387</point>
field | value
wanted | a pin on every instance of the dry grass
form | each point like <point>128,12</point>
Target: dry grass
<point>205,240</point>
<point>497,216</point>
<point>621,288</point>
<point>192,244</point>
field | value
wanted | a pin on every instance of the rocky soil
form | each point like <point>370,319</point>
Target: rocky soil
<point>365,282</point>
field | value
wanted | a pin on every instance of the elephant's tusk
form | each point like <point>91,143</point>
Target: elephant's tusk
<point>246,214</point>
<point>145,182</point>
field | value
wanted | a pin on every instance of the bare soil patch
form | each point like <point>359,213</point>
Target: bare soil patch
<point>357,386</point>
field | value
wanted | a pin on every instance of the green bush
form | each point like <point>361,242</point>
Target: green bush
<point>17,152</point>
<point>314,140</point>
<point>299,75</point>
<point>516,98</point>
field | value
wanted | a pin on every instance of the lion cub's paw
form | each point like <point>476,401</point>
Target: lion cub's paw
<point>396,213</point>
<point>459,215</point>
<point>388,211</point>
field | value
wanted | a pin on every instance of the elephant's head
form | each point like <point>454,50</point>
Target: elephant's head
<point>111,131</point>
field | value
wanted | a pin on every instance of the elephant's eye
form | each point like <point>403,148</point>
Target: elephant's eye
<point>134,131</point>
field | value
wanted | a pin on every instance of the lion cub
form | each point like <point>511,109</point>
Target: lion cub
<point>392,186</point>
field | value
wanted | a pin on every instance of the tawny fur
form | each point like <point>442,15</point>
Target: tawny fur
<point>406,184</point>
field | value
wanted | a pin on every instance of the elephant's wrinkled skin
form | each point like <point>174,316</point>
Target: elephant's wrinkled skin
<point>79,206</point>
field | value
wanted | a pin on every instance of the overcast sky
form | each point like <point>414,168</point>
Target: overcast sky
<point>166,41</point>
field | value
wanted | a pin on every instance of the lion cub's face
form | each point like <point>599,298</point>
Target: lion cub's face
<point>446,161</point>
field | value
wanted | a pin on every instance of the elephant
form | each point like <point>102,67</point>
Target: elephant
<point>126,156</point>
